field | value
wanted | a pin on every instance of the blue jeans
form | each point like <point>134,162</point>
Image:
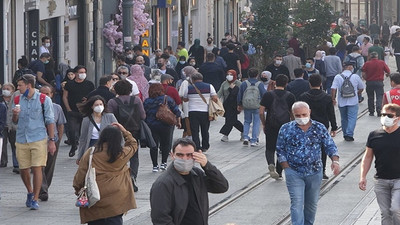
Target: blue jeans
<point>388,196</point>
<point>328,83</point>
<point>251,115</point>
<point>304,194</point>
<point>348,116</point>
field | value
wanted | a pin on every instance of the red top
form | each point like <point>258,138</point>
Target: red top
<point>173,93</point>
<point>392,96</point>
<point>374,70</point>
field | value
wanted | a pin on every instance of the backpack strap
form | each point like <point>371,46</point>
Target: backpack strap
<point>198,92</point>
<point>94,123</point>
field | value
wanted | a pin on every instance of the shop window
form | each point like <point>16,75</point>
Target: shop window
<point>194,4</point>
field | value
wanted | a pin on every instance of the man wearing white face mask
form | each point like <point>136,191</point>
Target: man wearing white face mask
<point>180,195</point>
<point>383,144</point>
<point>45,48</point>
<point>277,68</point>
<point>299,147</point>
<point>75,92</point>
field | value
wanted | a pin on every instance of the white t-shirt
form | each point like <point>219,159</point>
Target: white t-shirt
<point>43,49</point>
<point>95,132</point>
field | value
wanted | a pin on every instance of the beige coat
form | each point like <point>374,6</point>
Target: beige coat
<point>113,179</point>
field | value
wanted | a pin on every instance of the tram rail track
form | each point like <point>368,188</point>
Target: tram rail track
<point>326,186</point>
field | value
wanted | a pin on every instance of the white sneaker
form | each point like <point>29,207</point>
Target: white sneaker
<point>255,144</point>
<point>272,171</point>
<point>155,169</point>
<point>225,138</point>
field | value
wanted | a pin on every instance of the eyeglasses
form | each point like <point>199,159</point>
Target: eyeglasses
<point>181,155</point>
<point>388,115</point>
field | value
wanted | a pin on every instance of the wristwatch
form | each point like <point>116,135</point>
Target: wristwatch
<point>52,139</point>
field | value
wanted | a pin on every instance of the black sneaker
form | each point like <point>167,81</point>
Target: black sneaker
<point>360,99</point>
<point>371,114</point>
<point>44,196</point>
<point>16,170</point>
<point>325,177</point>
<point>72,151</point>
<point>348,138</point>
<point>67,142</point>
<point>135,188</point>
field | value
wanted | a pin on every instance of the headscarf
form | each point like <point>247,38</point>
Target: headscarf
<point>189,71</point>
<point>319,55</point>
<point>233,72</point>
<point>196,44</point>
<point>137,75</point>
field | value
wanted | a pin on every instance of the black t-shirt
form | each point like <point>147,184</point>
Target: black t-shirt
<point>386,148</point>
<point>192,215</point>
<point>231,61</point>
<point>276,70</point>
<point>77,91</point>
<point>37,66</point>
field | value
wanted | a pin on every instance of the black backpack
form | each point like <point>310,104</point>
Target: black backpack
<point>354,61</point>
<point>128,115</point>
<point>279,113</point>
<point>347,89</point>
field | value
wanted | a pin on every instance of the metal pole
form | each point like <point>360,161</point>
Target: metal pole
<point>127,23</point>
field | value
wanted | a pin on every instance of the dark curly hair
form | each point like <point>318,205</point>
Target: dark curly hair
<point>156,90</point>
<point>123,87</point>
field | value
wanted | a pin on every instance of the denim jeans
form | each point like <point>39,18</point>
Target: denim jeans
<point>374,88</point>
<point>348,116</point>
<point>304,194</point>
<point>251,115</point>
<point>328,83</point>
<point>388,196</point>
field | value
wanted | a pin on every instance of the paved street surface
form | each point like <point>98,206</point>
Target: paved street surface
<point>344,203</point>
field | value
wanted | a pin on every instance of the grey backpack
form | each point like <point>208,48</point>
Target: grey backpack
<point>251,96</point>
<point>347,89</point>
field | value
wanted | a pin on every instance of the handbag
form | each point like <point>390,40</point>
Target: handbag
<point>146,138</point>
<point>90,193</point>
<point>165,114</point>
<point>215,109</point>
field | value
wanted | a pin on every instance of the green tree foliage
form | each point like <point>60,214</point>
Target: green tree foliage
<point>312,19</point>
<point>270,25</point>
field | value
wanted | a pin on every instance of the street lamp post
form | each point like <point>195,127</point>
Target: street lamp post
<point>127,20</point>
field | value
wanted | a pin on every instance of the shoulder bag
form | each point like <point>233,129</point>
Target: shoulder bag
<point>165,114</point>
<point>215,109</point>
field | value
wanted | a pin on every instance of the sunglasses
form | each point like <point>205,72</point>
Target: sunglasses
<point>388,115</point>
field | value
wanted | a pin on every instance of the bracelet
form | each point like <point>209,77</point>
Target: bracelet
<point>337,162</point>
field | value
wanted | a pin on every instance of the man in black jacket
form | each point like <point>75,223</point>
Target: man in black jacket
<point>180,195</point>
<point>322,109</point>
<point>105,83</point>
<point>212,72</point>
<point>277,68</point>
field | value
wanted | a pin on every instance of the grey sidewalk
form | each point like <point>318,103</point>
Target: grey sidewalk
<point>241,164</point>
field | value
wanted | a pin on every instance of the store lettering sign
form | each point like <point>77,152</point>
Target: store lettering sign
<point>146,43</point>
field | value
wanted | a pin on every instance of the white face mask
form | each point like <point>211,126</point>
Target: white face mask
<point>278,62</point>
<point>229,77</point>
<point>183,73</point>
<point>129,56</point>
<point>6,93</point>
<point>98,108</point>
<point>182,62</point>
<point>302,121</point>
<point>82,76</point>
<point>387,122</point>
<point>47,45</point>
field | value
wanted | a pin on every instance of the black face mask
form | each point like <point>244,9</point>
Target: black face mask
<point>209,42</point>
<point>159,65</point>
<point>264,79</point>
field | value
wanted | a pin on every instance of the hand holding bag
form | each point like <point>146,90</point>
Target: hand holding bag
<point>90,193</point>
<point>165,114</point>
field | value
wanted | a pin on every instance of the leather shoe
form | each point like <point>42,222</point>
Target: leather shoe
<point>72,151</point>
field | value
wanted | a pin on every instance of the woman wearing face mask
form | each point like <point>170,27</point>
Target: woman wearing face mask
<point>269,84</point>
<point>228,93</point>
<point>180,65</point>
<point>192,62</point>
<point>94,121</point>
<point>9,129</point>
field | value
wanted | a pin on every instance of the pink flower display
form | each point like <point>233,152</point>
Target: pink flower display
<point>112,30</point>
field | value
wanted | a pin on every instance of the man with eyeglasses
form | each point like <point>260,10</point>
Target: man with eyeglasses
<point>180,195</point>
<point>383,144</point>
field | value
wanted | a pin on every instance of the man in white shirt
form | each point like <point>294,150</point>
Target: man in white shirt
<point>45,48</point>
<point>198,109</point>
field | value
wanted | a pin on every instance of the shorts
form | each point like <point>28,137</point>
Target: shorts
<point>32,154</point>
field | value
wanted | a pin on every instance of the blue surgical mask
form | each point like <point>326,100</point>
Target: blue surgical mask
<point>308,65</point>
<point>26,92</point>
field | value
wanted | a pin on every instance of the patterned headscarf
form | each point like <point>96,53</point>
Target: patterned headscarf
<point>137,75</point>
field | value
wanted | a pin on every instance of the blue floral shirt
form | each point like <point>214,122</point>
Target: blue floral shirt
<point>302,149</point>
